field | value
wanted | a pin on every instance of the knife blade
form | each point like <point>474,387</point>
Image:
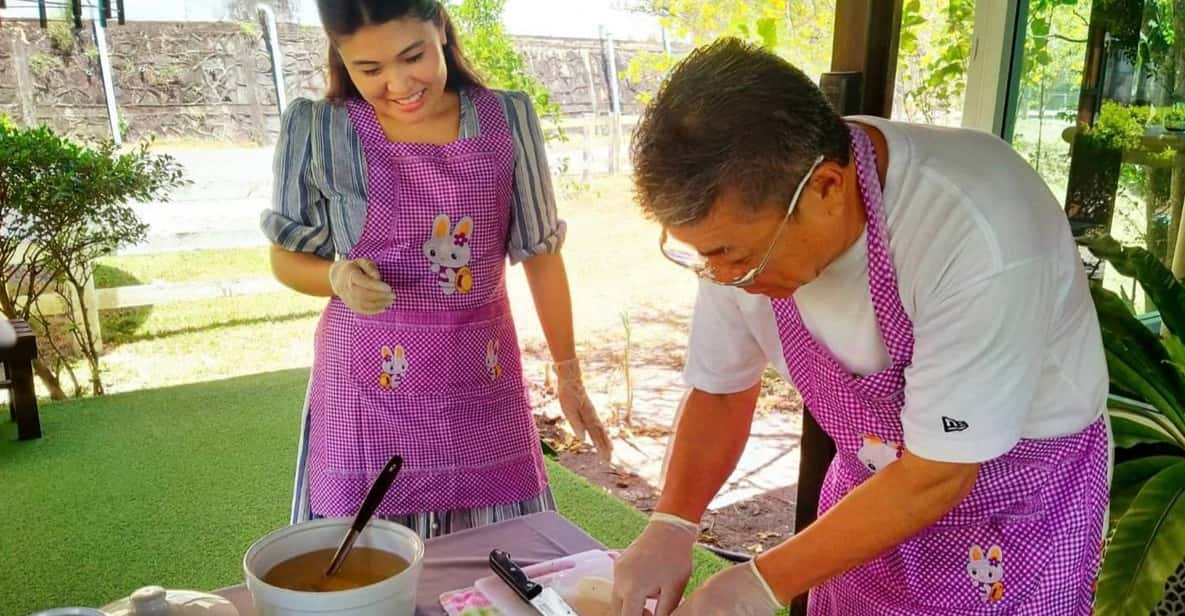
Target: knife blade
<point>545,600</point>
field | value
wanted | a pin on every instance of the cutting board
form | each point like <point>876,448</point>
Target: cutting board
<point>490,596</point>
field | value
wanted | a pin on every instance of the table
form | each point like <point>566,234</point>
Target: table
<point>455,561</point>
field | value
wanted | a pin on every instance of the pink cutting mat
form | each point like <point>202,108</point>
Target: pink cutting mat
<point>490,596</point>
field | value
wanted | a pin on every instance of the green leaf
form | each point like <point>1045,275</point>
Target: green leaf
<point>1129,478</point>
<point>1137,360</point>
<point>1158,282</point>
<point>1039,27</point>
<point>492,53</point>
<point>1130,377</point>
<point>911,15</point>
<point>912,21</point>
<point>1147,547</point>
<point>1146,415</point>
<point>767,29</point>
<point>1130,429</point>
<point>1176,351</point>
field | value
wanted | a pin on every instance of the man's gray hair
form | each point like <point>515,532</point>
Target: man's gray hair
<point>731,116</point>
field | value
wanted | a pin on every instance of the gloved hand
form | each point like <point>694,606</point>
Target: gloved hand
<point>578,409</point>
<point>657,564</point>
<point>360,286</point>
<point>737,591</point>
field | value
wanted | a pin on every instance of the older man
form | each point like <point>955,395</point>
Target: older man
<point>921,289</point>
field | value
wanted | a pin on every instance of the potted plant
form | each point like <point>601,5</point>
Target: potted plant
<point>1146,540</point>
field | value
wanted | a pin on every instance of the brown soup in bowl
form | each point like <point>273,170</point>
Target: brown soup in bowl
<point>363,566</point>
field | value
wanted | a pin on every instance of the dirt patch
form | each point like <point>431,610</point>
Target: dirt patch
<point>753,516</point>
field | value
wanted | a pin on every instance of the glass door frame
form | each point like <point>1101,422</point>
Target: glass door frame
<point>994,71</point>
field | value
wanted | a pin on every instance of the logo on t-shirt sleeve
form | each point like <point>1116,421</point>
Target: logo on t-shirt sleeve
<point>953,425</point>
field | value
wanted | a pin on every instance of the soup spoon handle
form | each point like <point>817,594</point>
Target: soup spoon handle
<point>378,490</point>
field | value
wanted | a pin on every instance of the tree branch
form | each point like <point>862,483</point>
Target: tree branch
<point>1060,38</point>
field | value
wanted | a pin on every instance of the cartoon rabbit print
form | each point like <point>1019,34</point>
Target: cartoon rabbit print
<point>394,368</point>
<point>987,571</point>
<point>493,366</point>
<point>448,251</point>
<point>876,453</point>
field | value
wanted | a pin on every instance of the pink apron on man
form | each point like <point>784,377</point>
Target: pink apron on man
<point>1025,541</point>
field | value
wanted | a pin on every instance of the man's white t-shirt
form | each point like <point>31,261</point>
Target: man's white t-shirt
<point>1006,337</point>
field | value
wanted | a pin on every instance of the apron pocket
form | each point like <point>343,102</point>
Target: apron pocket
<point>988,567</point>
<point>440,391</point>
<point>496,430</point>
<point>390,359</point>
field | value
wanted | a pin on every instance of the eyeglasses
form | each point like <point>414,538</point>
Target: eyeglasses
<point>687,257</point>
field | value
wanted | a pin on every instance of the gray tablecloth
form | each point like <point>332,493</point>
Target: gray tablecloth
<point>455,561</point>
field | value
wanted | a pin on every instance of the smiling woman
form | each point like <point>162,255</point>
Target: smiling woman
<point>415,83</point>
<point>401,197</point>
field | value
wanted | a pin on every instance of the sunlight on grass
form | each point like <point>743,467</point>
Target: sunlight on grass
<point>198,341</point>
<point>182,267</point>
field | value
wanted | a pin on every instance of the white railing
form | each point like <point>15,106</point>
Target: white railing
<point>163,293</point>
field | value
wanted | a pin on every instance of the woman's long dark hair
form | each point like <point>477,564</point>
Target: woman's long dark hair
<point>345,17</point>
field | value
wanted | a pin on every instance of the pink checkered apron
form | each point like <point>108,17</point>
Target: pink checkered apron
<point>436,378</point>
<point>1025,541</point>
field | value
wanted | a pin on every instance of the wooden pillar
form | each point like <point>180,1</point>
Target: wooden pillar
<point>865,41</point>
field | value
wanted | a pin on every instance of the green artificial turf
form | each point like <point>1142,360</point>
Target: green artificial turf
<point>170,486</point>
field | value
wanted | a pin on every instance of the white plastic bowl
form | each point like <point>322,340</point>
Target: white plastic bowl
<point>394,596</point>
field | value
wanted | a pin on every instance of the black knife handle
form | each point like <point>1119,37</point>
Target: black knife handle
<point>513,575</point>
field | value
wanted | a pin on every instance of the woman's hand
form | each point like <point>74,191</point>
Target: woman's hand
<point>360,286</point>
<point>579,409</point>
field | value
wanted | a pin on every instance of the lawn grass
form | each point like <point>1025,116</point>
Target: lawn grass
<point>182,267</point>
<point>169,486</point>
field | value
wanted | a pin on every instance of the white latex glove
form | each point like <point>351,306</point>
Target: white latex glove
<point>360,286</point>
<point>737,591</point>
<point>657,564</point>
<point>579,409</point>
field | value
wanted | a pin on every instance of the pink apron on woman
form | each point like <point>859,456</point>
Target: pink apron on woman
<point>437,377</point>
